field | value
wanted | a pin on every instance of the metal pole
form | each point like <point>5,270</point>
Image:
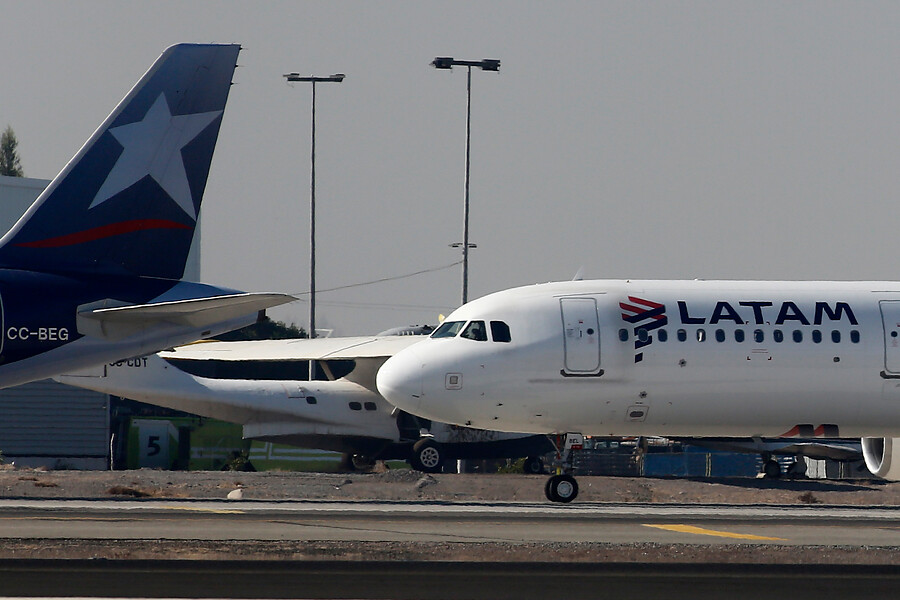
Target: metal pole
<point>336,78</point>
<point>312,222</point>
<point>312,235</point>
<point>465,265</point>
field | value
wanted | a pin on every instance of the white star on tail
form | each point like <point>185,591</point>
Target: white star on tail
<point>152,147</point>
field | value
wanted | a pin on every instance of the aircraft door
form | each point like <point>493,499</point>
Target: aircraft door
<point>581,336</point>
<point>890,317</point>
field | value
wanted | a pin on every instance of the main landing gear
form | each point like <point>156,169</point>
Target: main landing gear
<point>562,487</point>
<point>427,456</point>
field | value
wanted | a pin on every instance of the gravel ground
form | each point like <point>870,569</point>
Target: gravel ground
<point>405,484</point>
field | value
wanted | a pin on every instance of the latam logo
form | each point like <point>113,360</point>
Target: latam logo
<point>765,313</point>
<point>646,316</point>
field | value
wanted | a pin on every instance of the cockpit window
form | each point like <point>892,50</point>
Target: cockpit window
<point>500,331</point>
<point>448,329</point>
<point>475,331</point>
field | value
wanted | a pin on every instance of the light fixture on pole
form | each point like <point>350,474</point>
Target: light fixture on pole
<point>487,64</point>
<point>294,77</point>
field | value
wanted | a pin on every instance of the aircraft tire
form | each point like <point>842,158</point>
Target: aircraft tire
<point>361,462</point>
<point>427,456</point>
<point>533,465</point>
<point>561,488</point>
<point>771,469</point>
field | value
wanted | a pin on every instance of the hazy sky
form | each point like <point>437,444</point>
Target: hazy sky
<point>750,140</point>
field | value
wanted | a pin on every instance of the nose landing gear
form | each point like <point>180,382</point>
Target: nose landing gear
<point>562,487</point>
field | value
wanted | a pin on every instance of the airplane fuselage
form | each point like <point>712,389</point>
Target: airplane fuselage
<point>677,358</point>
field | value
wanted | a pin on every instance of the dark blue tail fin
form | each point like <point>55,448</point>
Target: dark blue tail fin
<point>127,203</point>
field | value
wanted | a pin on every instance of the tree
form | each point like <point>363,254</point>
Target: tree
<point>9,156</point>
<point>264,329</point>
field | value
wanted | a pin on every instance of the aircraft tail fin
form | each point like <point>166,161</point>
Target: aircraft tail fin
<point>128,202</point>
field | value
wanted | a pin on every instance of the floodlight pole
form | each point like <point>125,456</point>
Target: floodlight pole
<point>485,65</point>
<point>337,78</point>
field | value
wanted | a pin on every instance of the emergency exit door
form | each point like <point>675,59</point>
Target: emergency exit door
<point>581,336</point>
<point>890,318</point>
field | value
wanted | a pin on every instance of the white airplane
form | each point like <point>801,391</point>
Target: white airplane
<point>263,385</point>
<point>666,358</point>
<point>92,272</point>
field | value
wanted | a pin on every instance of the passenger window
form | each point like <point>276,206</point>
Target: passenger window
<point>643,335</point>
<point>817,336</point>
<point>854,336</point>
<point>701,335</point>
<point>720,335</point>
<point>682,335</point>
<point>758,336</point>
<point>798,336</point>
<point>475,331</point>
<point>500,332</point>
<point>662,335</point>
<point>448,329</point>
<point>739,335</point>
<point>623,335</point>
<point>836,336</point>
<point>778,336</point>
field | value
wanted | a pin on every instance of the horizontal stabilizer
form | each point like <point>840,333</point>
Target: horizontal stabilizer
<point>122,321</point>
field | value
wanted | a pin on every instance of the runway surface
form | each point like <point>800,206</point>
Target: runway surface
<point>465,549</point>
<point>449,522</point>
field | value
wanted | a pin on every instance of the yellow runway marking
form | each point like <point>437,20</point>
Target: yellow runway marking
<point>725,534</point>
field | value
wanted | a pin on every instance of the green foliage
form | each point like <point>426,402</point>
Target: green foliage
<point>264,329</point>
<point>239,461</point>
<point>9,155</point>
<point>513,466</point>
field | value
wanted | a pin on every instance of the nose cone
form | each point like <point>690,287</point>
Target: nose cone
<point>399,380</point>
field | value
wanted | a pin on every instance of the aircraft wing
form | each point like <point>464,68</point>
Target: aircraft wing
<point>369,352</point>
<point>834,449</point>
<point>122,321</point>
<point>341,348</point>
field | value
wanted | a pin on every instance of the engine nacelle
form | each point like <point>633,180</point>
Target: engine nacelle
<point>882,457</point>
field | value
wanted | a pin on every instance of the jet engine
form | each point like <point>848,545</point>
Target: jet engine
<point>882,457</point>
